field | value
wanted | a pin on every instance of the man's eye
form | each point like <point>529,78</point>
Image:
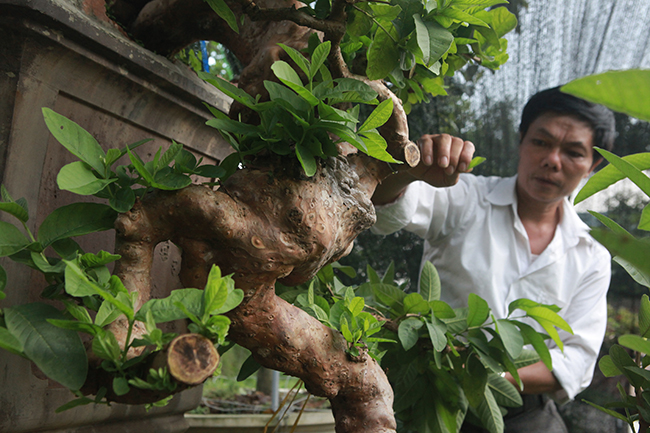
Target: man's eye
<point>538,142</point>
<point>575,154</point>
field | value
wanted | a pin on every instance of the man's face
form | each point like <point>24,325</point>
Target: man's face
<point>554,155</point>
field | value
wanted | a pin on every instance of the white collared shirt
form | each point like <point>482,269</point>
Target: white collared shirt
<point>474,237</point>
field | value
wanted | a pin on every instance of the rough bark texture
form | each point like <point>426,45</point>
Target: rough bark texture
<point>267,223</point>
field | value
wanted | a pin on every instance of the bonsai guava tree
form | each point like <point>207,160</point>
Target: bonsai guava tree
<point>287,204</point>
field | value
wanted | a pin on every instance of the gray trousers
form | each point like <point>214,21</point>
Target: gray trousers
<point>538,415</point>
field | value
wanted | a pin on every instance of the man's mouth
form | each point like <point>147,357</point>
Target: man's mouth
<point>547,181</point>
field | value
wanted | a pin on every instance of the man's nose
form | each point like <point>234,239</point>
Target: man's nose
<point>552,159</point>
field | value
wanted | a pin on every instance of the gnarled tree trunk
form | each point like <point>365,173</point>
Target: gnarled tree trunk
<point>267,223</point>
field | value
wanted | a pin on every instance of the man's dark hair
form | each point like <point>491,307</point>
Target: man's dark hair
<point>600,118</point>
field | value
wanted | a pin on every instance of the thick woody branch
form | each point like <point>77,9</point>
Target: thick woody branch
<point>256,13</point>
<point>265,224</point>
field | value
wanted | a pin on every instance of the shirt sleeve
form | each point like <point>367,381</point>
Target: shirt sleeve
<point>426,211</point>
<point>587,316</point>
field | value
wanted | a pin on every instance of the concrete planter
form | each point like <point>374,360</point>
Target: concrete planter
<point>310,422</point>
<point>55,55</point>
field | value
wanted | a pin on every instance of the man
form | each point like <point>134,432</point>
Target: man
<point>518,237</point>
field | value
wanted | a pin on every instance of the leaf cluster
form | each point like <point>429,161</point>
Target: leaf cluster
<point>624,91</point>
<point>459,353</point>
<point>301,117</point>
<point>92,299</point>
<point>94,174</point>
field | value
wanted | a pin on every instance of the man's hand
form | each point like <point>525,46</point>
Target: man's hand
<point>443,158</point>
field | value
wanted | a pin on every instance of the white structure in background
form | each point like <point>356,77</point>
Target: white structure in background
<point>601,201</point>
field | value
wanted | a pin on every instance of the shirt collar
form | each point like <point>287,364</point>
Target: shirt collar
<point>571,226</point>
<point>503,193</point>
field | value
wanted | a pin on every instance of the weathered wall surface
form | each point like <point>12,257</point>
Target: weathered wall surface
<point>53,55</point>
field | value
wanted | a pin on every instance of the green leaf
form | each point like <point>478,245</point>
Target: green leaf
<point>3,282</point>
<point>489,413</point>
<point>358,23</point>
<point>76,219</point>
<point>76,326</point>
<point>76,139</point>
<point>609,175</point>
<point>378,116</point>
<point>531,336</point>
<point>526,304</point>
<point>229,89</point>
<point>635,342</point>
<point>504,392</point>
<point>356,306</point>
<point>478,310</point>
<point>442,310</point>
<point>120,385</point>
<point>408,332</point>
<point>76,177</point>
<point>102,258</point>
<point>422,37</point>
<point>222,9</point>
<point>11,239</point>
<point>81,401</point>
<point>77,283</point>
<point>474,380</point>
<point>375,146</point>
<point>609,223</point>
<point>10,343</point>
<point>288,99</point>
<point>607,367</point>
<point>57,352</point>
<point>462,16</point>
<point>625,91</point>
<point>163,310</point>
<point>298,58</point>
<point>307,160</point>
<point>15,209</point>
<point>644,316</point>
<point>633,251</point>
<point>345,330</point>
<point>476,161</point>
<point>106,314</point>
<point>123,200</point>
<point>500,19</point>
<point>541,312</point>
<point>437,330</point>
<point>429,282</point>
<point>318,58</point>
<point>621,359</point>
<point>383,54</point>
<point>170,155</point>
<point>249,367</point>
<point>629,170</point>
<point>140,167</point>
<point>105,346</point>
<point>167,180</point>
<point>414,304</point>
<point>511,337</point>
<point>288,76</point>
<point>440,40</point>
<point>215,292</point>
<point>609,412</point>
<point>67,248</point>
<point>389,295</point>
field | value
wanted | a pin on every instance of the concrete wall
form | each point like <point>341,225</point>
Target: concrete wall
<point>52,54</point>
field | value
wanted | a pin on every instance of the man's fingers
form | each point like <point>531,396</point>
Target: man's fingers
<point>466,156</point>
<point>442,144</point>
